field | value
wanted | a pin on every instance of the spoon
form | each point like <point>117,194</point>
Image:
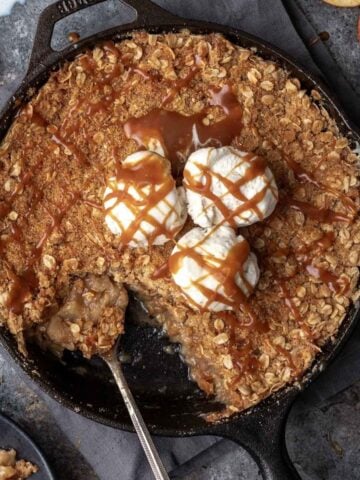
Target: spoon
<point>157,467</point>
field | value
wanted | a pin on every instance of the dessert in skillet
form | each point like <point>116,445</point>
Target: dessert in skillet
<point>199,176</point>
<point>12,469</point>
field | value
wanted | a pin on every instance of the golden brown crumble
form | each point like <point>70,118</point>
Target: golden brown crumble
<point>61,150</point>
<point>12,469</point>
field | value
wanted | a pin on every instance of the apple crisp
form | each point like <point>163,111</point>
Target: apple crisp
<point>64,275</point>
<point>12,469</point>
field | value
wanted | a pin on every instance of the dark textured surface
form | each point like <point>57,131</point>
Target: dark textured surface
<point>323,441</point>
<point>341,24</point>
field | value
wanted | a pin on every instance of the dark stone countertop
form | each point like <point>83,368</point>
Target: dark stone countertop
<point>323,441</point>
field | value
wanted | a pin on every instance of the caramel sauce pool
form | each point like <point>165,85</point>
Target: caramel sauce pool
<point>180,134</point>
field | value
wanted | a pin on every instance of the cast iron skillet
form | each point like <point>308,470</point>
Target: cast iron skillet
<point>170,403</point>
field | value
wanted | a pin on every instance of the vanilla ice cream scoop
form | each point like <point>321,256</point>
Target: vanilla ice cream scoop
<point>142,204</point>
<point>227,186</point>
<point>214,268</point>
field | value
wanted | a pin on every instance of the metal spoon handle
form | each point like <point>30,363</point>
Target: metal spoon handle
<point>137,419</point>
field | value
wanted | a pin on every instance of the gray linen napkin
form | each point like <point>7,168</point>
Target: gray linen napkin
<point>117,455</point>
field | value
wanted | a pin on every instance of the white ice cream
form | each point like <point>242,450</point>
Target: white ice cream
<point>214,245</point>
<point>231,165</point>
<point>167,215</point>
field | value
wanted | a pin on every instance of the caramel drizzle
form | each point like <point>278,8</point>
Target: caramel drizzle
<point>104,84</point>
<point>177,85</point>
<point>22,287</point>
<point>93,204</point>
<point>104,88</point>
<point>242,351</point>
<point>161,272</point>
<point>179,134</point>
<point>305,256</point>
<point>305,177</point>
<point>59,136</point>
<point>89,65</point>
<point>285,295</point>
<point>233,264</point>
<point>257,167</point>
<point>78,154</point>
<point>6,205</point>
<point>149,173</point>
<point>145,74</point>
<point>336,284</point>
<point>192,133</point>
<point>16,229</point>
<point>323,215</point>
<point>225,271</point>
<point>181,141</point>
<point>26,283</point>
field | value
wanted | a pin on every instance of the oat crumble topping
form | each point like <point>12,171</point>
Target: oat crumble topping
<point>58,257</point>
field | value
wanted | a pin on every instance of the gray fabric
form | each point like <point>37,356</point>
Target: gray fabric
<point>321,55</point>
<point>117,455</point>
<point>267,19</point>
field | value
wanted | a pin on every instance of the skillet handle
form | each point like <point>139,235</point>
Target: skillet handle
<point>262,434</point>
<point>42,55</point>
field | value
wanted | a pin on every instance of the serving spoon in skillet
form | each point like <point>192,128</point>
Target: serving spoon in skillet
<point>112,360</point>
